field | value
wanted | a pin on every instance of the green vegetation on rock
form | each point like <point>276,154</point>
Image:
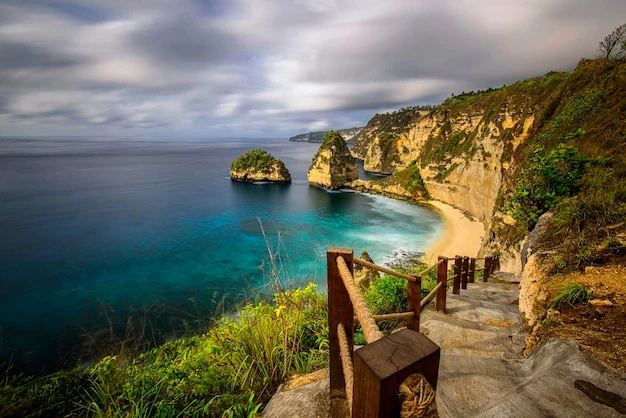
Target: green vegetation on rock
<point>256,165</point>
<point>408,178</point>
<point>257,159</point>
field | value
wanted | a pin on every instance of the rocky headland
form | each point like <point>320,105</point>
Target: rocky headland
<point>333,166</point>
<point>348,134</point>
<point>259,165</point>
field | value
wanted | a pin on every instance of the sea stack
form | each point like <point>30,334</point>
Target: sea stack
<point>333,166</point>
<point>259,165</point>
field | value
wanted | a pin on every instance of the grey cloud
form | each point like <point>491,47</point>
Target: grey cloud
<point>185,41</point>
<point>272,65</point>
<point>19,55</point>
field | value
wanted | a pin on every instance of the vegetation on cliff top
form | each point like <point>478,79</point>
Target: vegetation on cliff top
<point>228,371</point>
<point>574,164</point>
<point>333,139</point>
<point>259,161</point>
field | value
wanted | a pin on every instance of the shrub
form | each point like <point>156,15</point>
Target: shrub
<point>546,180</point>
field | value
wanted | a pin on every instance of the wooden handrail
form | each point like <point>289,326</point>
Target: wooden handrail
<point>360,377</point>
<point>368,325</point>
<point>431,268</point>
<point>382,269</point>
<point>430,295</point>
<point>391,316</point>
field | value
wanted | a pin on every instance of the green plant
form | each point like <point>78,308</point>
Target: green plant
<point>571,295</point>
<point>259,160</point>
<point>548,178</point>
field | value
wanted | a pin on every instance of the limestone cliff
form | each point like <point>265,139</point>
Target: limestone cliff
<point>259,165</point>
<point>508,155</point>
<point>333,166</point>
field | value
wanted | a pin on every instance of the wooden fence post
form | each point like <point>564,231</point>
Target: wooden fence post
<point>486,272</point>
<point>472,270</point>
<point>340,310</point>
<point>456,283</point>
<point>465,274</point>
<point>414,302</point>
<point>442,277</point>
<point>380,368</point>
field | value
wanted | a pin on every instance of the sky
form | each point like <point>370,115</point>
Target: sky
<point>269,68</point>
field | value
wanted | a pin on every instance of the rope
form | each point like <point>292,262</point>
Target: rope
<point>391,316</point>
<point>368,324</point>
<point>346,363</point>
<point>373,266</point>
<point>431,268</point>
<point>416,396</point>
<point>430,295</point>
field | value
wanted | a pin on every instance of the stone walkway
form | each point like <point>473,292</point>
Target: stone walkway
<point>482,371</point>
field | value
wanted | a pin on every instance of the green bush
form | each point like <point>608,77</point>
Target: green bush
<point>546,180</point>
<point>259,160</point>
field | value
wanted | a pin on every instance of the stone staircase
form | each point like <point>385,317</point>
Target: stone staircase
<point>482,372</point>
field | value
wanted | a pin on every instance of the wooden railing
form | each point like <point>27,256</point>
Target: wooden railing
<point>366,381</point>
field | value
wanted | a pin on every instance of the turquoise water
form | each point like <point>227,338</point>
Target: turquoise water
<point>95,231</point>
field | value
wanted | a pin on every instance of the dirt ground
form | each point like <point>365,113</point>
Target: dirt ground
<point>599,326</point>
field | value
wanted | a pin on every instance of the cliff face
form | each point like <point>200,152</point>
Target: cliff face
<point>505,156</point>
<point>318,136</point>
<point>379,144</point>
<point>259,165</point>
<point>460,148</point>
<point>333,166</point>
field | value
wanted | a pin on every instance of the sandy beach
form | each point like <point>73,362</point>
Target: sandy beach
<point>462,236</point>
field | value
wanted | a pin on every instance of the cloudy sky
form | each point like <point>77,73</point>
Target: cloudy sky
<point>269,68</point>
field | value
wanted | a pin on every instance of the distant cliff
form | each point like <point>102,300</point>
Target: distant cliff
<point>259,165</point>
<point>333,166</point>
<point>554,144</point>
<point>347,134</point>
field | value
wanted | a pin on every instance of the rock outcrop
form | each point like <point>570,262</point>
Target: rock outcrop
<point>333,166</point>
<point>259,165</point>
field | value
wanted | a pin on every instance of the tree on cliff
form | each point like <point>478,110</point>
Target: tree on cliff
<point>611,41</point>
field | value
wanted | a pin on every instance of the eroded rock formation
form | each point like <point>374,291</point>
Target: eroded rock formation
<point>333,166</point>
<point>259,165</point>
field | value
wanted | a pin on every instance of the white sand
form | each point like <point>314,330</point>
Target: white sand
<point>462,236</point>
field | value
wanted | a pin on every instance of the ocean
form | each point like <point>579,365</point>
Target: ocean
<point>95,231</point>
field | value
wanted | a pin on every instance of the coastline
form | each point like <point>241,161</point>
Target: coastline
<point>462,236</point>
